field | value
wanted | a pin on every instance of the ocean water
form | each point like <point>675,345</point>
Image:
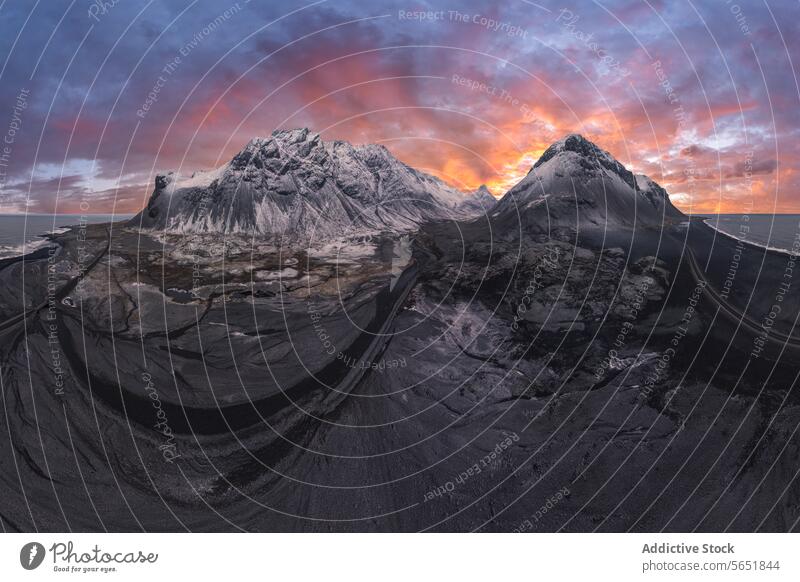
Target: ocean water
<point>773,231</point>
<point>21,233</point>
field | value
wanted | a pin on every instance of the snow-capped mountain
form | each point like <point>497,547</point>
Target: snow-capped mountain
<point>295,185</point>
<point>576,184</point>
<point>481,201</point>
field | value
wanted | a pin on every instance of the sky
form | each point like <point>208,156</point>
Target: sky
<point>100,96</point>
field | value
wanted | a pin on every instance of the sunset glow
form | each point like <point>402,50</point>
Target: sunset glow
<point>471,92</point>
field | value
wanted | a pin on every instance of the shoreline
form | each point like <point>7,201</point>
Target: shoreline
<point>704,220</point>
<point>43,240</point>
<point>33,255</point>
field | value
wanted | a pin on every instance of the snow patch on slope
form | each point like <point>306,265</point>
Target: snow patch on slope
<point>295,185</point>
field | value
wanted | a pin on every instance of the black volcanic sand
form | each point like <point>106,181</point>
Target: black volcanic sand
<point>373,393</point>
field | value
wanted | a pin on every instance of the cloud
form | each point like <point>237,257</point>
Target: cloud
<point>357,71</point>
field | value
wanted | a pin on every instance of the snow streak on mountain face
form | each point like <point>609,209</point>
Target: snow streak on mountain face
<point>294,185</point>
<point>577,184</point>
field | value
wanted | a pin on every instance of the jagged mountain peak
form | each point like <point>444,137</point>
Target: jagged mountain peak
<point>576,183</point>
<point>292,147</point>
<point>483,191</point>
<point>481,201</point>
<point>305,151</point>
<point>573,142</point>
<point>294,135</point>
<point>295,184</point>
<point>285,137</point>
<point>574,154</point>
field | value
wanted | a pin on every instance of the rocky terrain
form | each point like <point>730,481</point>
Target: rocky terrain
<point>318,338</point>
<point>295,186</point>
<point>575,184</point>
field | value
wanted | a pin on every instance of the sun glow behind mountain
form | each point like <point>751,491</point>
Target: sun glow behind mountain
<point>690,103</point>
